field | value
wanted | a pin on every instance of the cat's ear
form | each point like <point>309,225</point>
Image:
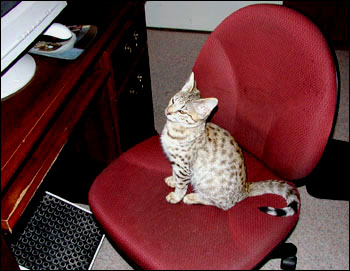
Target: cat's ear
<point>203,107</point>
<point>190,84</point>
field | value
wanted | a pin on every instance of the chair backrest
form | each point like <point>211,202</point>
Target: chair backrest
<point>273,73</point>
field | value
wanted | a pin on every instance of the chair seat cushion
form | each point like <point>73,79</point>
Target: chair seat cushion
<point>128,199</point>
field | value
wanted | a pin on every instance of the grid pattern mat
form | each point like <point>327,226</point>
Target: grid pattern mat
<point>58,236</point>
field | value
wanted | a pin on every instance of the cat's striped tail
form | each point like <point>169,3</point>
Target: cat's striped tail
<point>279,188</point>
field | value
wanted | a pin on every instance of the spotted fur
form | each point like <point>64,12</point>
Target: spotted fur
<point>208,157</point>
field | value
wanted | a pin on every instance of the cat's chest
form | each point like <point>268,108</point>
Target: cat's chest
<point>177,144</point>
<point>171,144</point>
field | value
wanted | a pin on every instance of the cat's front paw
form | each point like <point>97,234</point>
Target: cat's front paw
<point>173,198</point>
<point>170,181</point>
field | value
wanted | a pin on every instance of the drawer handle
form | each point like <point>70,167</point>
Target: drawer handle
<point>140,79</point>
<point>127,49</point>
<point>132,91</point>
<point>136,37</point>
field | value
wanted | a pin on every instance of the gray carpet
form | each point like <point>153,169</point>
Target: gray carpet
<point>322,233</point>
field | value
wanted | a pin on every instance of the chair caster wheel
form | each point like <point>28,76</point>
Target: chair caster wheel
<point>289,263</point>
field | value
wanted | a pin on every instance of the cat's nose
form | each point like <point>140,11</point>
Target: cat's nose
<point>169,110</point>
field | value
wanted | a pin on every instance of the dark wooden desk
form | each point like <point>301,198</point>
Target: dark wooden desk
<point>112,74</point>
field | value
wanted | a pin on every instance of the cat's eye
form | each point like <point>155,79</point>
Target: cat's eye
<point>181,112</point>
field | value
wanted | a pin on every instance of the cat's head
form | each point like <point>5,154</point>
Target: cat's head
<point>187,107</point>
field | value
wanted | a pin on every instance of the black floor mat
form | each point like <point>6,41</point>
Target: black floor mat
<point>58,236</point>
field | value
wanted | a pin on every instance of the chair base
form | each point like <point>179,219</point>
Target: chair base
<point>332,168</point>
<point>287,252</point>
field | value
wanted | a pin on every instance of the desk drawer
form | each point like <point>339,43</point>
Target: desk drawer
<point>31,174</point>
<point>133,41</point>
<point>135,109</point>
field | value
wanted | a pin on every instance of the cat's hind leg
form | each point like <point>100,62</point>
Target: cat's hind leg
<point>195,198</point>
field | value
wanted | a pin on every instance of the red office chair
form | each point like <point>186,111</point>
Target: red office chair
<point>274,77</point>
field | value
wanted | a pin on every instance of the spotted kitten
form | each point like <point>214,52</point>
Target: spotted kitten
<point>209,158</point>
